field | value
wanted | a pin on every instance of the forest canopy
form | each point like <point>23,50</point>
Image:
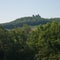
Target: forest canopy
<point>41,43</point>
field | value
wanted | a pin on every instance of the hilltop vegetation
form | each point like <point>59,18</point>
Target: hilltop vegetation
<point>43,43</point>
<point>31,21</point>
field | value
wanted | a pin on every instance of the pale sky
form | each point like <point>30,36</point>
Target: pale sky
<point>12,9</point>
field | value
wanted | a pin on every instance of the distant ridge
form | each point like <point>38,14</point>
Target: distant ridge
<point>33,20</point>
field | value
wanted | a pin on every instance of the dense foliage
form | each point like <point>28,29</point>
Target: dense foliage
<point>43,43</point>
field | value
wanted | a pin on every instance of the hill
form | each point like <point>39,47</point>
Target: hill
<point>31,21</point>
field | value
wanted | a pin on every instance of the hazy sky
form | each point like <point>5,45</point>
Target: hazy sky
<point>12,9</point>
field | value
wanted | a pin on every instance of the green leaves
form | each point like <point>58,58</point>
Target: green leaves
<point>42,43</point>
